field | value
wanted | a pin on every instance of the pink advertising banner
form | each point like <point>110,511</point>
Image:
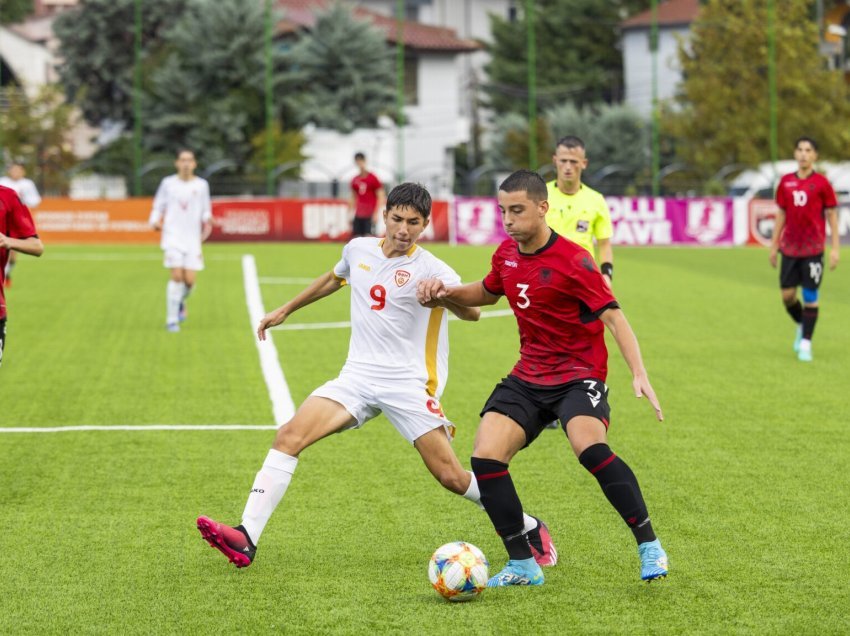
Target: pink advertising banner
<point>637,221</point>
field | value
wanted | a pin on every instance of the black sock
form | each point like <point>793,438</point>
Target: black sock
<point>810,317</point>
<point>620,486</point>
<point>500,500</point>
<point>796,311</point>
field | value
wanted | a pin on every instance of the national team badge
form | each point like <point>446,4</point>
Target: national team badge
<point>545,275</point>
<point>401,277</point>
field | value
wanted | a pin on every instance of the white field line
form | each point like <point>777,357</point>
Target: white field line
<point>344,324</point>
<point>107,256</point>
<point>139,428</point>
<point>282,404</point>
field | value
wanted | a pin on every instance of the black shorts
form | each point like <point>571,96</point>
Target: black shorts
<point>533,406</point>
<point>805,271</point>
<point>361,226</point>
<point>2,338</point>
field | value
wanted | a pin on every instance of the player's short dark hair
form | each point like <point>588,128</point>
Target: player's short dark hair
<point>526,181</point>
<point>570,141</point>
<point>358,156</point>
<point>183,149</point>
<point>410,195</point>
<point>809,139</point>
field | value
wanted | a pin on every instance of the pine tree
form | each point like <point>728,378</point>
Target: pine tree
<point>342,73</point>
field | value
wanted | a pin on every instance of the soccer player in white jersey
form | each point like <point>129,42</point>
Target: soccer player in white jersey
<point>15,178</point>
<point>182,210</point>
<point>397,364</point>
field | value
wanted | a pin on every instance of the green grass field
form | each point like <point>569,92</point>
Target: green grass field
<point>746,479</point>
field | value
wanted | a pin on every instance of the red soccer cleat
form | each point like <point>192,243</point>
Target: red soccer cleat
<point>231,542</point>
<point>542,548</point>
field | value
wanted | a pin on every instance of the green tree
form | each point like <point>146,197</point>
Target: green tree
<point>12,11</point>
<point>343,74</point>
<point>96,45</point>
<point>508,148</point>
<point>722,115</point>
<point>578,55</point>
<point>35,133</point>
<point>208,91</point>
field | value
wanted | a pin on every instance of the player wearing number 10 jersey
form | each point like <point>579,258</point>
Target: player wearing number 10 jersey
<point>397,364</point>
<point>806,200</point>
<point>562,305</point>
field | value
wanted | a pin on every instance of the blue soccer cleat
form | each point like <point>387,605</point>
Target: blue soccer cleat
<point>172,327</point>
<point>182,313</point>
<point>518,572</point>
<point>653,560</point>
<point>797,338</point>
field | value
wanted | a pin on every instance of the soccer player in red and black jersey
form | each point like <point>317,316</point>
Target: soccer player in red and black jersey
<point>17,232</point>
<point>562,305</point>
<point>806,201</point>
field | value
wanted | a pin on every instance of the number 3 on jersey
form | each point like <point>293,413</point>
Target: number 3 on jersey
<point>526,301</point>
<point>379,295</point>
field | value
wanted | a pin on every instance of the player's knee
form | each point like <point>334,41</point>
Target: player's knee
<point>289,441</point>
<point>456,481</point>
<point>810,296</point>
<point>789,296</point>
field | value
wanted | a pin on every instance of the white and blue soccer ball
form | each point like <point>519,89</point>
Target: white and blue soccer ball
<point>458,571</point>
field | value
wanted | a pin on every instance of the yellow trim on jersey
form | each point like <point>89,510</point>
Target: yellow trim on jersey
<point>567,210</point>
<point>407,253</point>
<point>342,282</point>
<point>432,339</point>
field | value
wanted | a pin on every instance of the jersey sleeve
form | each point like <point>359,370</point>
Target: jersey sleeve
<point>588,285</point>
<point>206,213</point>
<point>30,195</point>
<point>20,224</point>
<point>445,273</point>
<point>829,200</point>
<point>781,197</point>
<point>493,281</point>
<point>160,201</point>
<point>342,270</point>
<point>376,182</point>
<point>602,227</point>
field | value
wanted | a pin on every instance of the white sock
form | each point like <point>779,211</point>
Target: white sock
<point>805,345</point>
<point>173,294</point>
<point>270,484</point>
<point>474,495</point>
<point>187,290</point>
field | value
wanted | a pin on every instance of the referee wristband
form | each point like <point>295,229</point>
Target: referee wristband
<point>608,270</point>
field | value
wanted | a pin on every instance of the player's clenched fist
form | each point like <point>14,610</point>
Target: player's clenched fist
<point>429,290</point>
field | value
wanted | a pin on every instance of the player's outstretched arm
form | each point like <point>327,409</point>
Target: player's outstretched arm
<point>324,285</point>
<point>32,245</point>
<point>620,328</point>
<point>469,295</point>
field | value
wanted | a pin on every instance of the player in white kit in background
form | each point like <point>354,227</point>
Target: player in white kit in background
<point>397,364</point>
<point>15,178</point>
<point>182,210</point>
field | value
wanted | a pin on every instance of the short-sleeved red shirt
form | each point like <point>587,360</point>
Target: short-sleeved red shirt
<point>805,202</point>
<point>557,295</point>
<point>365,188</point>
<point>15,222</point>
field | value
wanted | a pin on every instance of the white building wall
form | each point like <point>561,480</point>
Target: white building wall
<point>637,66</point>
<point>31,62</point>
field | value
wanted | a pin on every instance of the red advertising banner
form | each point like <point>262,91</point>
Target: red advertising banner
<point>302,220</point>
<point>762,216</point>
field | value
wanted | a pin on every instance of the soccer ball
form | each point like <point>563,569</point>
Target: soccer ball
<point>458,571</point>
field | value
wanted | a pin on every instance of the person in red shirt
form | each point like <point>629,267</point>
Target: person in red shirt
<point>17,232</point>
<point>806,201</point>
<point>367,198</point>
<point>562,305</point>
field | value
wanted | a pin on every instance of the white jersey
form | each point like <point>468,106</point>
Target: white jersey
<point>393,337</point>
<point>27,192</point>
<point>185,206</point>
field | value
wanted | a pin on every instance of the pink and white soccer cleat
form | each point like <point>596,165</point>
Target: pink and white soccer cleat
<point>231,542</point>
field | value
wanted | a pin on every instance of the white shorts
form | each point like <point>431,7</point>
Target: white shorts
<point>186,260</point>
<point>407,405</point>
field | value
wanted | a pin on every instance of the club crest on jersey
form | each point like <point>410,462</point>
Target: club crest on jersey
<point>401,277</point>
<point>545,275</point>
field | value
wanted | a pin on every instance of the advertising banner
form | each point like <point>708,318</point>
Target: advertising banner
<point>637,221</point>
<point>669,221</point>
<point>763,218</point>
<point>302,220</point>
<point>96,221</point>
